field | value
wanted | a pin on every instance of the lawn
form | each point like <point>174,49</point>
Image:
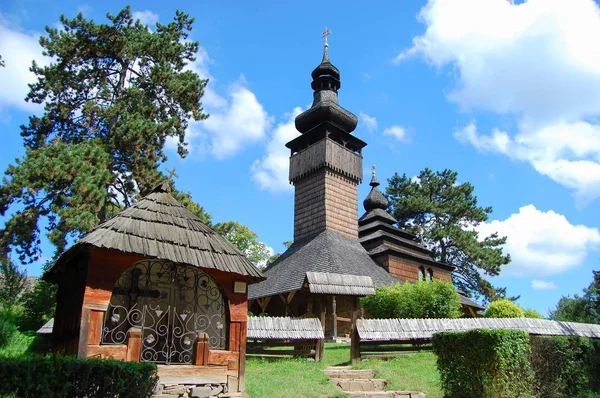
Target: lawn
<point>302,378</point>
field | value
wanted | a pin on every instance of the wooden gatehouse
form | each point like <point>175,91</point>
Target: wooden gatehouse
<point>155,284</point>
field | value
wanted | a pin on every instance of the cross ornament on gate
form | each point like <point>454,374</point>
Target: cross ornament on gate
<point>326,33</point>
<point>134,291</point>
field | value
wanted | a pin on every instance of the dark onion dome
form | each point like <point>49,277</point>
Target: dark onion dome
<point>325,108</point>
<point>375,199</point>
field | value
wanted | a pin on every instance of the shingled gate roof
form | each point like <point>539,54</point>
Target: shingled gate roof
<point>265,327</point>
<point>329,252</point>
<point>159,226</point>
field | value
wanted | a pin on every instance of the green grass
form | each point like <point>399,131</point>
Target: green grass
<point>303,378</point>
<point>21,343</point>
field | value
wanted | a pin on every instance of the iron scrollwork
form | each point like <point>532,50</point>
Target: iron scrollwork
<point>171,304</point>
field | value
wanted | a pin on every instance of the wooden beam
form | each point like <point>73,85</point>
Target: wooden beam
<point>334,308</point>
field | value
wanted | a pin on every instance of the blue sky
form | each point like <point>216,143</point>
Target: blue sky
<point>506,93</point>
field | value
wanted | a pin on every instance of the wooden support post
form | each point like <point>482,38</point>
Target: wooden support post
<point>355,346</point>
<point>134,345</point>
<point>333,306</point>
<point>319,348</point>
<point>355,339</point>
<point>202,350</point>
<point>323,311</point>
<point>309,307</point>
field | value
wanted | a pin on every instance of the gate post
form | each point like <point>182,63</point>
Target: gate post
<point>134,345</point>
<point>202,350</point>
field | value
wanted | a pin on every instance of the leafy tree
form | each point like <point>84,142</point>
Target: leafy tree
<point>432,299</point>
<point>504,308</point>
<point>39,305</point>
<point>275,256</point>
<point>113,94</point>
<point>584,308</point>
<point>13,282</point>
<point>444,214</point>
<point>246,240</point>
<point>2,62</point>
<point>529,313</point>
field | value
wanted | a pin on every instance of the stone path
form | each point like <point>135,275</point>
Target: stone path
<point>362,383</point>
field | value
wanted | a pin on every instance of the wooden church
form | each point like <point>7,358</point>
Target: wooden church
<point>155,284</point>
<point>336,258</point>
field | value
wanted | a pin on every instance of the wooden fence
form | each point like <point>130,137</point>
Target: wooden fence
<point>284,337</point>
<point>394,337</point>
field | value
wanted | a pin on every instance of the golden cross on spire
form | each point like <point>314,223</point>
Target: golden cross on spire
<point>326,33</point>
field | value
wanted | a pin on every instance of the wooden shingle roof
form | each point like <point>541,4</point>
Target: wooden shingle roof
<point>264,327</point>
<point>403,329</point>
<point>158,226</point>
<point>328,252</point>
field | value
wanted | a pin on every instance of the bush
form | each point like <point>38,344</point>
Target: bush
<point>433,299</point>
<point>533,314</point>
<point>484,363</point>
<point>56,376</point>
<point>504,308</point>
<point>7,331</point>
<point>564,366</point>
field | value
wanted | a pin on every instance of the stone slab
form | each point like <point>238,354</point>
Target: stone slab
<point>360,384</point>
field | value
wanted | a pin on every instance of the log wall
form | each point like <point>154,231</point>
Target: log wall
<point>85,317</point>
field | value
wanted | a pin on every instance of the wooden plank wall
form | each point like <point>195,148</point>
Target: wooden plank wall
<point>103,270</point>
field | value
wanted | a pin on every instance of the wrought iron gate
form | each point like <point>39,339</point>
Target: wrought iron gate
<point>171,304</point>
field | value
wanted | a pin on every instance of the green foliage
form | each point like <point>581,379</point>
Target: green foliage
<point>504,308</point>
<point>7,331</point>
<point>246,240</point>
<point>12,282</point>
<point>433,299</point>
<point>484,363</point>
<point>39,305</point>
<point>113,93</point>
<point>444,212</point>
<point>529,313</point>
<point>55,376</point>
<point>565,366</point>
<point>584,308</point>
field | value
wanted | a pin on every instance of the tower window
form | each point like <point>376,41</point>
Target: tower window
<point>421,273</point>
<point>429,274</point>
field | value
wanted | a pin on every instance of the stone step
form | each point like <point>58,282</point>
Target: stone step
<point>359,384</point>
<point>386,394</point>
<point>349,373</point>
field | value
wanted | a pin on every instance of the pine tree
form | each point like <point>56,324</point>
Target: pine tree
<point>444,214</point>
<point>112,95</point>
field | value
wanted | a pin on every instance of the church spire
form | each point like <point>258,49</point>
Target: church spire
<point>325,110</point>
<point>375,199</point>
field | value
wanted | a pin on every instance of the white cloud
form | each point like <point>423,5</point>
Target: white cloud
<point>368,122</point>
<point>146,17</point>
<point>271,173</point>
<point>398,132</point>
<point>543,285</point>
<point>568,153</point>
<point>243,122</point>
<point>538,61</point>
<point>542,243</point>
<point>18,50</point>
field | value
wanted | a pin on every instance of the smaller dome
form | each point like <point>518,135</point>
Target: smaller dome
<point>375,199</point>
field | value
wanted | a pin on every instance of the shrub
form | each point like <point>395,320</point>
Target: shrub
<point>484,363</point>
<point>533,314</point>
<point>564,366</point>
<point>56,376</point>
<point>504,308</point>
<point>433,299</point>
<point>7,331</point>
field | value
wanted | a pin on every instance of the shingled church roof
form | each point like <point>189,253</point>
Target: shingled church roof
<point>159,226</point>
<point>329,252</point>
